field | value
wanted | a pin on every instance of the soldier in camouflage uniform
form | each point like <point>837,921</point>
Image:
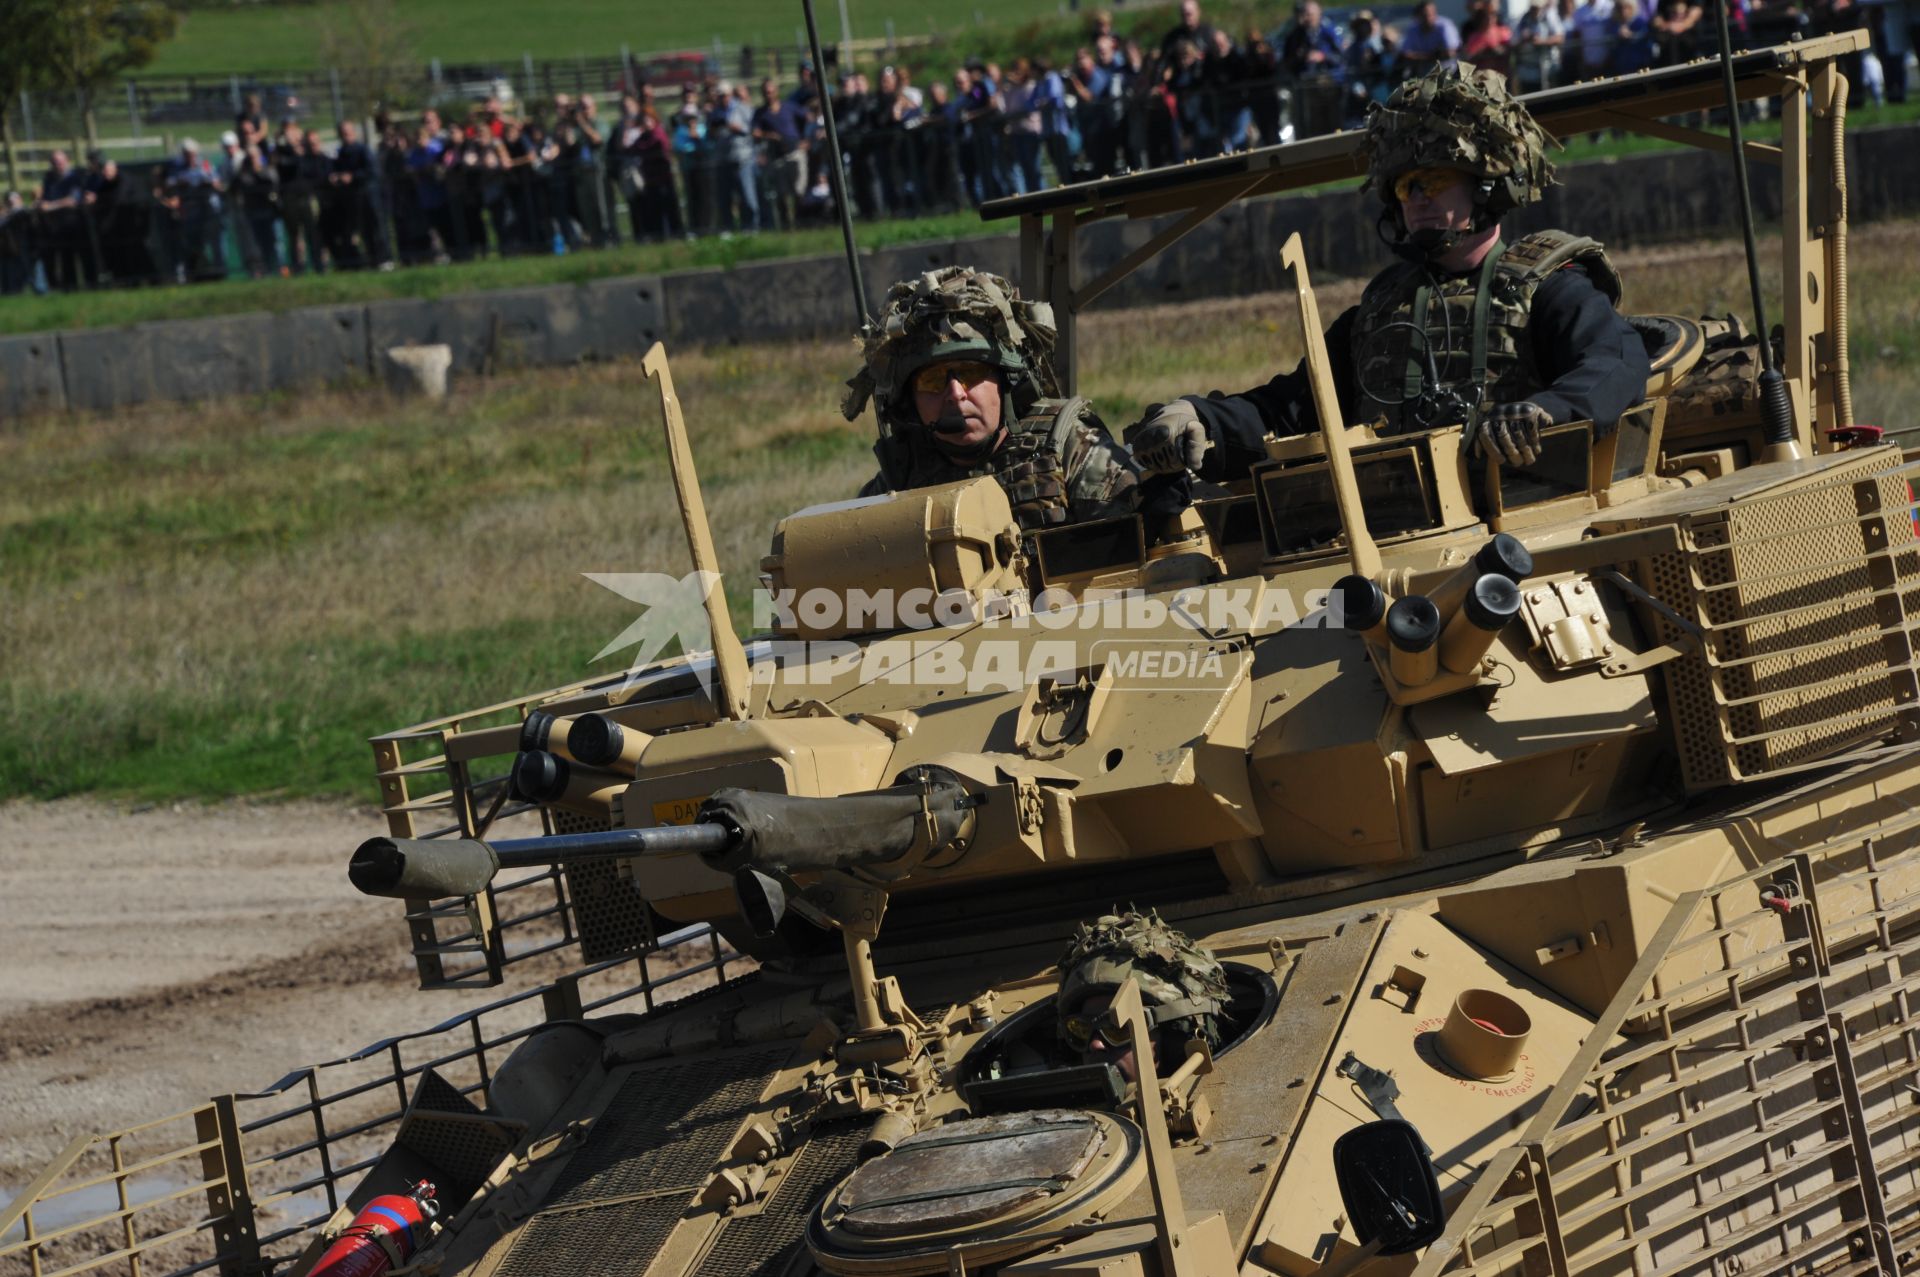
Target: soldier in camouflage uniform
<point>958,370</point>
<point>1182,988</point>
<point>1503,339</point>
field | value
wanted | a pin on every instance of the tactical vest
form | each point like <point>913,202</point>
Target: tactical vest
<point>1475,327</point>
<point>1028,463</point>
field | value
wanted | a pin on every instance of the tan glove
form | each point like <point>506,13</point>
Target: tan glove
<point>1511,433</point>
<point>1172,440</point>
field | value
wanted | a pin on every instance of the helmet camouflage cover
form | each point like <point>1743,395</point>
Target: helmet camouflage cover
<point>1178,979</point>
<point>1462,118</point>
<point>955,312</point>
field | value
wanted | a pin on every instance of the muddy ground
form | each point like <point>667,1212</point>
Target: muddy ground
<point>155,956</point>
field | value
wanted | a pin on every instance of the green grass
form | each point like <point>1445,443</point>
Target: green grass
<point>229,599</point>
<point>271,37</point>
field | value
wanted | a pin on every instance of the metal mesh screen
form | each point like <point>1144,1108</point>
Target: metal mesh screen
<point>1801,599</point>
<point>767,1244</point>
<point>665,1128</point>
<point>614,1240</point>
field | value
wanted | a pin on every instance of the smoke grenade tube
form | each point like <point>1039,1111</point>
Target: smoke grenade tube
<point>1490,604</point>
<point>598,741</point>
<point>549,779</point>
<point>548,733</point>
<point>1503,555</point>
<point>1413,630</point>
<point>1363,604</point>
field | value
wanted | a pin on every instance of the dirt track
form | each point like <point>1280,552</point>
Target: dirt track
<point>236,950</point>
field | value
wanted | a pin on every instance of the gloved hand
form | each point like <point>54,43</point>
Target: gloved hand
<point>1171,441</point>
<point>1511,433</point>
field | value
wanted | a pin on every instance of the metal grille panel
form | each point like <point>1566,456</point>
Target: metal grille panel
<point>1759,1117</point>
<point>610,911</point>
<point>617,1240</point>
<point>765,1245</point>
<point>1803,598</point>
<point>665,1128</point>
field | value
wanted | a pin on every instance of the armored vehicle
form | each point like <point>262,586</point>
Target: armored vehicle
<point>1552,829</point>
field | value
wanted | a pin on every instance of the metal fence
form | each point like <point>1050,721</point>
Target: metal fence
<point>245,1182</point>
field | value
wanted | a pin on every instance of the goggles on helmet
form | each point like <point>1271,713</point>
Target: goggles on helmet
<point>1428,181</point>
<point>935,377</point>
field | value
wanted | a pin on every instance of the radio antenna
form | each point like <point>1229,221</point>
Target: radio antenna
<point>837,170</point>
<point>1776,406</point>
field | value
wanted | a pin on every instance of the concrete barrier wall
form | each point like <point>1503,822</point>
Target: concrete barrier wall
<point>1623,203</point>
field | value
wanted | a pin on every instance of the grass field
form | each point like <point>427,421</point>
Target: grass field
<point>231,598</point>
<point>281,36</point>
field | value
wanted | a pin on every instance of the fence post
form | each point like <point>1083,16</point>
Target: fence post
<point>133,115</point>
<point>229,1199</point>
<point>233,91</point>
<point>532,90</point>
<point>26,114</point>
<point>339,105</point>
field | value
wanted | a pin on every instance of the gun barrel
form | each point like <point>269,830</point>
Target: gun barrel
<point>894,829</point>
<point>434,868</point>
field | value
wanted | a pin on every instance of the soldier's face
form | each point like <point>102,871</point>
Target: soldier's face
<point>1097,1050</point>
<point>964,413</point>
<point>1447,209</point>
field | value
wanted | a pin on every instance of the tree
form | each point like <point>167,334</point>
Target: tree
<point>369,43</point>
<point>96,41</point>
<point>23,63</point>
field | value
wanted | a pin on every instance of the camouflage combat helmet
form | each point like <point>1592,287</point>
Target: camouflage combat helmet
<point>1179,981</point>
<point>955,312</point>
<point>1461,118</point>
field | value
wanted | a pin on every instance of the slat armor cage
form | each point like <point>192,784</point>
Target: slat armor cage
<point>1794,600</point>
<point>1745,1105</point>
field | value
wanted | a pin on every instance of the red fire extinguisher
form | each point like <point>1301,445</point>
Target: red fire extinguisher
<point>383,1236</point>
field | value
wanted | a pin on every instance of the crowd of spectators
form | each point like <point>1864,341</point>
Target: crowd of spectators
<point>718,157</point>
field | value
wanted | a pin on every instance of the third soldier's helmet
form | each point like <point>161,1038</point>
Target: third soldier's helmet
<point>1182,986</point>
<point>1457,117</point>
<point>955,312</point>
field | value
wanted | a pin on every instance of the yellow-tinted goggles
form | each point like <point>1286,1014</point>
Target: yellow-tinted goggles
<point>1428,181</point>
<point>934,378</point>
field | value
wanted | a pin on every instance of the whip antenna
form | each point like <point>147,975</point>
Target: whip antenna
<point>1776,406</point>
<point>838,171</point>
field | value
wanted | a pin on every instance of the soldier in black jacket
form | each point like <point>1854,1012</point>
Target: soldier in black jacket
<point>1503,339</point>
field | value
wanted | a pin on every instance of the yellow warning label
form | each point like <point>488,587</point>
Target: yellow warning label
<point>677,811</point>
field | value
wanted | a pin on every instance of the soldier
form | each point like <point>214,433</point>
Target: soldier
<point>1182,988</point>
<point>1503,339</point>
<point>959,374</point>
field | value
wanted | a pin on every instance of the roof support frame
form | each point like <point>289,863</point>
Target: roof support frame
<point>1644,103</point>
<point>1763,152</point>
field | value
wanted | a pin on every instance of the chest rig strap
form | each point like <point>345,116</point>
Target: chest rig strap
<point>1415,377</point>
<point>1029,464</point>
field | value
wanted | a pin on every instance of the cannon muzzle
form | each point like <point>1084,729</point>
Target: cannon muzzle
<point>432,868</point>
